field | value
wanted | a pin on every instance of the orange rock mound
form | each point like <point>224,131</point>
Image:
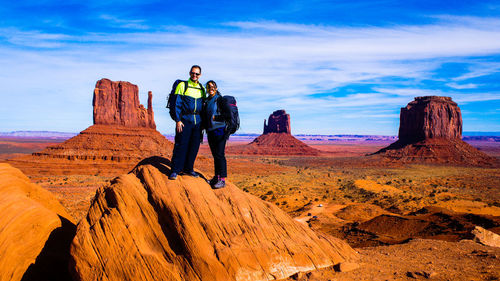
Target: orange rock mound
<point>275,144</point>
<point>437,150</point>
<point>114,143</point>
<point>146,227</point>
<point>35,230</point>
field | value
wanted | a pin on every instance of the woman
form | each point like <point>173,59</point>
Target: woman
<point>215,127</point>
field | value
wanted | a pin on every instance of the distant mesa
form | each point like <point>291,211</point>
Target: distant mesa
<point>124,132</point>
<point>430,130</point>
<point>146,227</point>
<point>278,122</point>
<point>35,230</point>
<point>276,139</point>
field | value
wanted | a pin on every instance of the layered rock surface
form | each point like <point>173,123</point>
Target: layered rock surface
<point>117,103</point>
<point>145,227</point>
<point>278,122</point>
<point>430,117</point>
<point>430,130</point>
<point>113,143</point>
<point>35,230</point>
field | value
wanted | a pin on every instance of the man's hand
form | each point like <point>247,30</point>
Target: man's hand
<point>178,126</point>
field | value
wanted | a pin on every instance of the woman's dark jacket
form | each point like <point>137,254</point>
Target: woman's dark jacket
<point>212,118</point>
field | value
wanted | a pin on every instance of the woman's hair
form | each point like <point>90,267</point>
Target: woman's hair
<point>212,82</point>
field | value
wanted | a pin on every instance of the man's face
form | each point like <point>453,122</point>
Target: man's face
<point>195,74</point>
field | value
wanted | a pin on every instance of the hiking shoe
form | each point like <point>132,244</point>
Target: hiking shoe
<point>193,174</point>
<point>220,184</point>
<point>172,176</point>
<point>214,180</point>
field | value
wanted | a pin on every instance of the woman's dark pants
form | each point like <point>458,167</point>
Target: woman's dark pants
<point>186,148</point>
<point>217,143</point>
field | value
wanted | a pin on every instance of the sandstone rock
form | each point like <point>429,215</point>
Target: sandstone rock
<point>117,103</point>
<point>346,266</point>
<point>275,144</point>
<point>111,143</point>
<point>35,230</point>
<point>123,133</point>
<point>145,227</point>
<point>430,131</point>
<point>486,237</point>
<point>430,117</point>
<point>278,122</point>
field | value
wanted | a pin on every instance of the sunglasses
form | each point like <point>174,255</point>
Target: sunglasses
<point>194,73</point>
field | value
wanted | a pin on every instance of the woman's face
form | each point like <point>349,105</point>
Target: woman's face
<point>212,89</point>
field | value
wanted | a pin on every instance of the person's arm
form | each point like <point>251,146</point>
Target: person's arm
<point>179,91</point>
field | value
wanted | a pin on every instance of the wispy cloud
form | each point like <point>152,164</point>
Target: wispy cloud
<point>123,23</point>
<point>266,65</point>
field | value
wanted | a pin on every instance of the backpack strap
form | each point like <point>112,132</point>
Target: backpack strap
<point>186,85</point>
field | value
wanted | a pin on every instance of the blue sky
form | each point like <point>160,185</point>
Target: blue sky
<point>338,67</point>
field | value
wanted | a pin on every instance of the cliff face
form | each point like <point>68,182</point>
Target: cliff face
<point>278,122</point>
<point>35,230</point>
<point>117,103</point>
<point>430,117</point>
<point>145,227</point>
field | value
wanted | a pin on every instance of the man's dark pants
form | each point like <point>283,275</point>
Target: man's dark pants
<point>217,143</point>
<point>186,148</point>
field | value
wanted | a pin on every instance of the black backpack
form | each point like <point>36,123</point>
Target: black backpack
<point>172,96</point>
<point>229,110</point>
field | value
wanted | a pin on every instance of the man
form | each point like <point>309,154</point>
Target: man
<point>188,105</point>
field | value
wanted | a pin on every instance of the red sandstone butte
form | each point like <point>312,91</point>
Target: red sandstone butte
<point>430,130</point>
<point>276,139</point>
<point>430,117</point>
<point>117,103</point>
<point>278,122</point>
<point>124,132</point>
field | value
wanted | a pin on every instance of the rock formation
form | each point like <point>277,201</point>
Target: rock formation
<point>430,130</point>
<point>145,227</point>
<point>123,133</point>
<point>278,122</point>
<point>35,230</point>
<point>276,139</point>
<point>430,117</point>
<point>117,103</point>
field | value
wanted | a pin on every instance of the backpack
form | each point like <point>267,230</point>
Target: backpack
<point>172,97</point>
<point>229,110</point>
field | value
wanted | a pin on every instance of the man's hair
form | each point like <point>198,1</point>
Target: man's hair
<point>196,66</point>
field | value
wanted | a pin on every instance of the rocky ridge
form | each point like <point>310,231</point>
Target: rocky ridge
<point>145,227</point>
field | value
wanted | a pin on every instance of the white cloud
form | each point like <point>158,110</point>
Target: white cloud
<point>462,86</point>
<point>266,65</point>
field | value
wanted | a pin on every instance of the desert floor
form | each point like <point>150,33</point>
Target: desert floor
<point>315,190</point>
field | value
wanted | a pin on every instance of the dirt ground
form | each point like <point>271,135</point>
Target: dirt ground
<point>315,190</point>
